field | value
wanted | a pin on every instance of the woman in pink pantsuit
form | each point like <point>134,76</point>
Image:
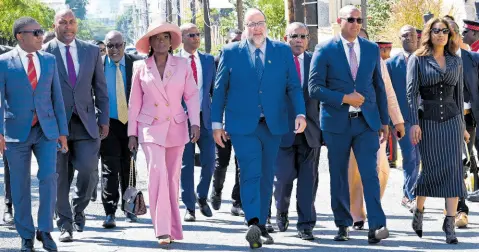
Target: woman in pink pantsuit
<point>157,120</point>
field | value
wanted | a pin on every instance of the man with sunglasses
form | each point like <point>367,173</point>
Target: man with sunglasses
<point>354,114</point>
<point>255,79</point>
<point>85,96</point>
<point>32,119</point>
<point>114,152</point>
<point>298,156</point>
<point>470,34</point>
<point>223,156</point>
<point>397,66</point>
<point>204,72</point>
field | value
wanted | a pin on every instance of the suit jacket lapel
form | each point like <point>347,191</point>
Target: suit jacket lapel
<point>129,71</point>
<point>170,70</point>
<point>246,57</point>
<point>81,51</point>
<point>363,57</point>
<point>43,68</point>
<point>203,72</point>
<point>268,60</point>
<point>60,64</point>
<point>17,62</point>
<point>305,79</point>
<point>342,54</point>
<point>151,65</point>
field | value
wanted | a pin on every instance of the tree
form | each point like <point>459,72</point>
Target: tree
<point>274,11</point>
<point>380,13</point>
<point>10,10</point>
<point>84,30</point>
<point>124,24</point>
<point>78,7</point>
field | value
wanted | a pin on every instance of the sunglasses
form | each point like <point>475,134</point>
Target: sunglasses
<point>352,20</point>
<point>36,33</point>
<point>295,36</point>
<point>117,46</point>
<point>192,35</point>
<point>443,30</point>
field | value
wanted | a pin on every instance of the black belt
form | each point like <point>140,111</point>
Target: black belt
<point>355,114</point>
<point>262,119</point>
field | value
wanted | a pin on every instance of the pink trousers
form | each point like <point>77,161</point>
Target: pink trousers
<point>356,195</point>
<point>164,167</point>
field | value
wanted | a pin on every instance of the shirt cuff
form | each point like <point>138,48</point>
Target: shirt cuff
<point>217,125</point>
<point>301,115</point>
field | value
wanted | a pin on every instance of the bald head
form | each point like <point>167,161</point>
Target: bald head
<point>251,13</point>
<point>346,11</point>
<point>113,35</point>
<point>65,26</point>
<point>115,45</point>
<point>66,12</point>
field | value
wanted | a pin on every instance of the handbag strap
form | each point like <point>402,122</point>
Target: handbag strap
<point>133,174</point>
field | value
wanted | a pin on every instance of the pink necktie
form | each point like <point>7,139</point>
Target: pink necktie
<point>298,69</point>
<point>353,60</point>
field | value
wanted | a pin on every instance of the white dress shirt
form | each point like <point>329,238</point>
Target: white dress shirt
<point>73,52</point>
<point>36,61</point>
<point>357,50</point>
<point>199,71</point>
<point>467,105</point>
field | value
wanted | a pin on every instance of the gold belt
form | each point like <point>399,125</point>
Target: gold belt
<point>467,111</point>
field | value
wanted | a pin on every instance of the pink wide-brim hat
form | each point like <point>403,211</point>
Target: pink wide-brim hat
<point>143,44</point>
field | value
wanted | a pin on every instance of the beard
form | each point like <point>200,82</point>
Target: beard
<point>257,40</point>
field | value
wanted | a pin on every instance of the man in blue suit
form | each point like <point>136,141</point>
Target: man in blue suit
<point>346,77</point>
<point>298,156</point>
<point>255,78</point>
<point>204,71</point>
<point>397,66</point>
<point>32,118</point>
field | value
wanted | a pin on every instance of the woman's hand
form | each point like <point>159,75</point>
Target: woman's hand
<point>195,133</point>
<point>416,134</point>
<point>133,143</point>
<point>466,136</point>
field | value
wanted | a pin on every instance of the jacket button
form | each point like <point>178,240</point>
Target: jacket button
<point>168,118</point>
<point>156,104</point>
<point>156,118</point>
<point>260,92</point>
<point>167,104</point>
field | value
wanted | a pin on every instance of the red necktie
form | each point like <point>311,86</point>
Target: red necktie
<point>32,77</point>
<point>298,69</point>
<point>193,67</point>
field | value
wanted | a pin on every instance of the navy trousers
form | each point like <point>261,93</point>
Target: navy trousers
<point>365,144</point>
<point>256,155</point>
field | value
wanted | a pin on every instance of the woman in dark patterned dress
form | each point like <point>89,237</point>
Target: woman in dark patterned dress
<point>434,74</point>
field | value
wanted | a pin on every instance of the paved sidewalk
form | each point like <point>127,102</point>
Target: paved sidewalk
<point>224,232</point>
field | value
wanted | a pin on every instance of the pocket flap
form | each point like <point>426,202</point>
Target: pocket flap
<point>146,119</point>
<point>179,118</point>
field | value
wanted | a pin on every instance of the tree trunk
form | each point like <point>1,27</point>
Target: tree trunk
<point>193,11</point>
<point>206,14</point>
<point>178,8</point>
<point>289,10</point>
<point>239,11</point>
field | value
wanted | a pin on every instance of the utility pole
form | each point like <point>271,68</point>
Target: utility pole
<point>193,11</point>
<point>206,15</point>
<point>169,11</point>
<point>364,9</point>
<point>178,14</point>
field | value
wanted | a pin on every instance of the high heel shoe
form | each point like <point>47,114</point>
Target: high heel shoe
<point>164,239</point>
<point>417,221</point>
<point>449,228</point>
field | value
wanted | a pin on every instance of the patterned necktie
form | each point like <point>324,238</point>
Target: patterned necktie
<point>121,105</point>
<point>193,67</point>
<point>353,60</point>
<point>72,76</point>
<point>298,69</point>
<point>258,63</point>
<point>32,77</point>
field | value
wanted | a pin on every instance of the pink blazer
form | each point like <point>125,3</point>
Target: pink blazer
<point>155,113</point>
<point>393,105</point>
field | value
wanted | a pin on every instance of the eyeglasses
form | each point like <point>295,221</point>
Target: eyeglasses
<point>36,33</point>
<point>443,30</point>
<point>295,36</point>
<point>192,35</point>
<point>352,20</point>
<point>254,24</point>
<point>117,46</point>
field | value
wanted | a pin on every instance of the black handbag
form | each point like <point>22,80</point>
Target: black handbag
<point>134,201</point>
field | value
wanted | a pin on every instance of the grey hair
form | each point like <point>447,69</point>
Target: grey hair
<point>187,26</point>
<point>111,34</point>
<point>20,23</point>
<point>251,11</point>
<point>346,10</point>
<point>295,25</point>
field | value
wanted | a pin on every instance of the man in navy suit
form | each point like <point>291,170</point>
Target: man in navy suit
<point>32,119</point>
<point>346,77</point>
<point>204,71</point>
<point>397,66</point>
<point>298,156</point>
<point>254,79</point>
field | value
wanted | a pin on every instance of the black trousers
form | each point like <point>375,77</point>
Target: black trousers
<point>115,166</point>
<point>6,187</point>
<point>471,129</point>
<point>223,156</point>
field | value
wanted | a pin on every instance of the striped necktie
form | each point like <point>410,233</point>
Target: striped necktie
<point>258,63</point>
<point>32,77</point>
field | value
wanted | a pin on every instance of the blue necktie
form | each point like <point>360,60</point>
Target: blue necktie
<point>258,63</point>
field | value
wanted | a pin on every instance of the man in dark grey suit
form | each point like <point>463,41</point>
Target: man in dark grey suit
<point>84,87</point>
<point>298,156</point>
<point>8,210</point>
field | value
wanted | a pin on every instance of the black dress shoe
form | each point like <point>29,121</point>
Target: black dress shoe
<point>237,210</point>
<point>265,237</point>
<point>306,234</point>
<point>8,216</point>
<point>282,221</point>
<point>269,226</point>
<point>253,236</point>
<point>376,235</point>
<point>131,217</point>
<point>109,221</point>
<point>47,240</point>
<point>79,222</point>
<point>189,216</point>
<point>66,235</point>
<point>216,200</point>
<point>358,225</point>
<point>204,207</point>
<point>343,234</point>
<point>27,245</point>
